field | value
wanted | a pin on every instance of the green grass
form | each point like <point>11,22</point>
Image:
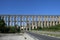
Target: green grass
<point>51,28</point>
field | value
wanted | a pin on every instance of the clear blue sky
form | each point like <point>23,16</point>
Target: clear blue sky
<point>30,7</point>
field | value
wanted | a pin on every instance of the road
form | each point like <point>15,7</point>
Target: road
<point>42,37</point>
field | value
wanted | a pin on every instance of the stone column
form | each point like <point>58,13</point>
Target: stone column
<point>27,23</point>
<point>20,21</point>
<point>45,21</point>
<point>59,19</point>
<point>14,20</point>
<point>32,22</point>
<point>23,22</point>
<point>2,17</point>
<point>53,21</point>
<point>11,20</point>
<point>8,20</point>
<point>17,20</point>
<point>5,20</point>
<point>50,20</point>
<point>39,21</point>
<point>36,22</point>
<point>56,21</point>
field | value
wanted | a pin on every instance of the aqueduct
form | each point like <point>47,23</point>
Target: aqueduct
<point>31,21</point>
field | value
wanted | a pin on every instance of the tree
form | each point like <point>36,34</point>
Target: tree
<point>2,25</point>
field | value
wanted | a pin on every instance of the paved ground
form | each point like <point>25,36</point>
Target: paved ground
<point>24,36</point>
<point>42,37</point>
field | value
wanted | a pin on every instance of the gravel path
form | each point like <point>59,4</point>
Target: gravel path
<point>24,36</point>
<point>48,33</point>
